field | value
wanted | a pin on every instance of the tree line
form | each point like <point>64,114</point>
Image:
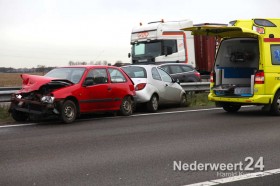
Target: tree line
<point>39,68</point>
<point>45,69</point>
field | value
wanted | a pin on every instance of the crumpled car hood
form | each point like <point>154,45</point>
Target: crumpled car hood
<point>34,82</point>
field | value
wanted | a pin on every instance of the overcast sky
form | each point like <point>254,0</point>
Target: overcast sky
<point>53,32</point>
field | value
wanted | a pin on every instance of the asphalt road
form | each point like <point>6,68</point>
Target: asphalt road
<point>139,150</point>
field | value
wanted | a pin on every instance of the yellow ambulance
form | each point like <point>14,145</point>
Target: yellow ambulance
<point>247,64</point>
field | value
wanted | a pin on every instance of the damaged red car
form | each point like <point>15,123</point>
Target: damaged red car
<point>68,92</point>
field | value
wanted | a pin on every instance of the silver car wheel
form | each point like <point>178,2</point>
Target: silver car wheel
<point>155,103</point>
<point>183,101</point>
<point>152,105</point>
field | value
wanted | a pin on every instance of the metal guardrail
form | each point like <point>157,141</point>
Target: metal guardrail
<point>205,77</point>
<point>5,92</point>
<point>198,86</point>
<point>9,89</point>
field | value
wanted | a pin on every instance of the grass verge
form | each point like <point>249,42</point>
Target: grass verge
<point>198,99</point>
<point>4,114</point>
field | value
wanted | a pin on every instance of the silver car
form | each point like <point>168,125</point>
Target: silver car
<point>154,86</point>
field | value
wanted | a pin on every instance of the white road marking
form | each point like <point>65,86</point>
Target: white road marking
<point>237,178</point>
<point>18,125</point>
<point>182,111</point>
<point>174,112</point>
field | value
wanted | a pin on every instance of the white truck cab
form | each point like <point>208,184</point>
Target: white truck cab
<point>163,42</point>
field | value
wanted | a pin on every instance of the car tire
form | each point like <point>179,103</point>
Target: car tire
<point>275,106</point>
<point>231,107</point>
<point>68,111</point>
<point>126,108</point>
<point>183,101</point>
<point>152,105</point>
<point>19,116</point>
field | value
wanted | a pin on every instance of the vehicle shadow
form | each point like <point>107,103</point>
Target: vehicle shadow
<point>254,111</point>
<point>55,120</point>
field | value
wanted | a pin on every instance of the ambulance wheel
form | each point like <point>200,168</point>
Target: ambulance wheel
<point>231,107</point>
<point>275,106</point>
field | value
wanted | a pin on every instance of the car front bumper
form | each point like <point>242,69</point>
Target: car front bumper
<point>33,107</point>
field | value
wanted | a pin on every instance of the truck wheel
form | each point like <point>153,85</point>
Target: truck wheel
<point>231,108</point>
<point>275,106</point>
<point>68,111</point>
<point>19,116</point>
<point>126,106</point>
<point>152,105</point>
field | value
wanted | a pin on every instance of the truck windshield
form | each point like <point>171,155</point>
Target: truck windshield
<point>147,49</point>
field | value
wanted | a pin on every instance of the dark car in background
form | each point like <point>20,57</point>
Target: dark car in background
<point>182,72</point>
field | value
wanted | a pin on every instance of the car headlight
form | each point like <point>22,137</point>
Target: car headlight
<point>47,99</point>
<point>18,96</point>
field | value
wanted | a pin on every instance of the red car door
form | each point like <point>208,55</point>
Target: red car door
<point>97,91</point>
<point>120,86</point>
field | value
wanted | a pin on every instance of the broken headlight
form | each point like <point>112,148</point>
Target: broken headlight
<point>47,99</point>
<point>18,96</point>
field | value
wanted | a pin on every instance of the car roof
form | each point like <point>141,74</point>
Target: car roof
<point>88,66</point>
<point>147,67</point>
<point>144,66</point>
<point>182,64</point>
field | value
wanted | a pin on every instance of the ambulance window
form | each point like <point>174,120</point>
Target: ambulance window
<point>264,22</point>
<point>239,52</point>
<point>275,54</point>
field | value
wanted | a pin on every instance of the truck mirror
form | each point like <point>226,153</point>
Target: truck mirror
<point>167,50</point>
<point>129,55</point>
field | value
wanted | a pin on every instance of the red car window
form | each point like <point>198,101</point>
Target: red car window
<point>99,75</point>
<point>116,76</point>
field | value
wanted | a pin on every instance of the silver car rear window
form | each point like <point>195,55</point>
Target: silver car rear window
<point>135,72</point>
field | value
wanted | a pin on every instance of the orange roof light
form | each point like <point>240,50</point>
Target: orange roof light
<point>260,30</point>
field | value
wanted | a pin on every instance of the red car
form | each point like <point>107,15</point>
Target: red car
<point>70,91</point>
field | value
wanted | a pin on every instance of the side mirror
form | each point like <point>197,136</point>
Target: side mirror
<point>129,55</point>
<point>89,81</point>
<point>176,81</point>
